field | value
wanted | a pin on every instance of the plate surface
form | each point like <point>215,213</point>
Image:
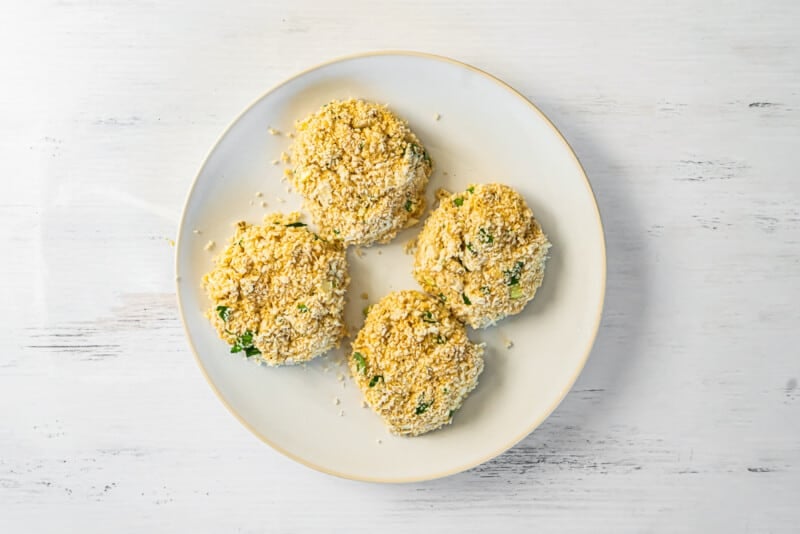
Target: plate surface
<point>485,132</point>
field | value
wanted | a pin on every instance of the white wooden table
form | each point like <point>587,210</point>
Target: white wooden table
<point>687,119</point>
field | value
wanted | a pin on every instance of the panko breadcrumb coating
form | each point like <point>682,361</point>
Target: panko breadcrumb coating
<point>361,171</point>
<point>482,253</point>
<point>414,362</point>
<point>277,291</point>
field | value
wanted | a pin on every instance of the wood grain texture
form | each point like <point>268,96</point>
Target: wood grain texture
<point>686,116</point>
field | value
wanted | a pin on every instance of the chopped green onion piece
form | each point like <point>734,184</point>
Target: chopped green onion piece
<point>471,189</point>
<point>484,236</point>
<point>427,317</point>
<point>302,307</point>
<point>422,407</point>
<point>466,299</point>
<point>458,201</point>
<point>471,248</point>
<point>516,291</point>
<point>295,224</point>
<point>374,380</point>
<point>439,339</point>
<point>251,351</point>
<point>361,362</point>
<point>408,206</point>
<point>224,313</point>
<point>442,297</point>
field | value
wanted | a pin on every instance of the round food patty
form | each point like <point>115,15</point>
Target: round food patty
<point>414,362</point>
<point>482,253</point>
<point>361,171</point>
<point>277,291</point>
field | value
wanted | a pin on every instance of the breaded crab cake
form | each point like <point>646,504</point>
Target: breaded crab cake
<point>482,253</point>
<point>277,291</point>
<point>414,362</point>
<point>361,171</point>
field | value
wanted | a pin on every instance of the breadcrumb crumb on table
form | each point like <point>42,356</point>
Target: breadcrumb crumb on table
<point>210,246</point>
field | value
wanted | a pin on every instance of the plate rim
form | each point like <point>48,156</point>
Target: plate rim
<point>538,421</point>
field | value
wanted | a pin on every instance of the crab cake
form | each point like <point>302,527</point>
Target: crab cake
<point>414,362</point>
<point>482,253</point>
<point>361,171</point>
<point>277,291</point>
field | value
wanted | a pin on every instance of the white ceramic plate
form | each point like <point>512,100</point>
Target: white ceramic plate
<point>486,132</point>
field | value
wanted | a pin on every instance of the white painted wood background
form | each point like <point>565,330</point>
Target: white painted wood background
<point>686,116</point>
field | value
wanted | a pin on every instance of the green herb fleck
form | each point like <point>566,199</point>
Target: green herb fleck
<point>335,231</point>
<point>466,299</point>
<point>408,206</point>
<point>458,202</point>
<point>295,224</point>
<point>365,311</point>
<point>484,236</point>
<point>439,339</point>
<point>361,362</point>
<point>515,291</point>
<point>361,145</point>
<point>422,407</point>
<point>427,317</point>
<point>471,189</point>
<point>245,343</point>
<point>471,248</point>
<point>512,275</point>
<point>442,297</point>
<point>450,415</point>
<point>224,313</point>
<point>485,290</point>
<point>374,380</point>
<point>303,308</point>
<point>240,243</point>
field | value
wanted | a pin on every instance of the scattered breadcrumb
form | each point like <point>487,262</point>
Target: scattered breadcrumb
<point>259,193</point>
<point>436,116</point>
<point>290,134</point>
<point>273,131</point>
<point>364,404</point>
<point>279,199</point>
<point>340,377</point>
<point>410,246</point>
<point>196,232</point>
<point>171,242</point>
<point>379,441</point>
<point>177,278</point>
<point>364,296</point>
<point>263,204</point>
<point>252,203</point>
<point>508,343</point>
<point>284,157</point>
<point>359,252</point>
<point>275,161</point>
<point>341,413</point>
<point>336,401</point>
<point>210,245</point>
